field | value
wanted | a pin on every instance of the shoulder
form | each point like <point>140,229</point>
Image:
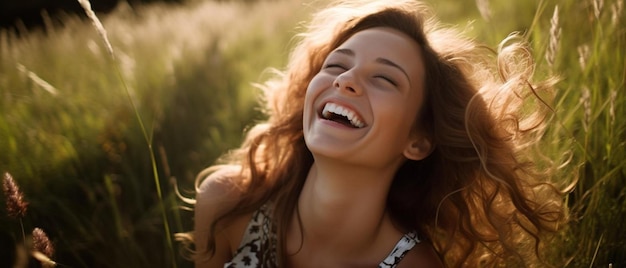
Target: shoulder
<point>422,255</point>
<point>219,176</point>
<point>219,179</point>
<point>219,191</point>
<point>216,194</point>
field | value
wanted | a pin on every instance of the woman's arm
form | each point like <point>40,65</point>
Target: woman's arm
<point>217,194</point>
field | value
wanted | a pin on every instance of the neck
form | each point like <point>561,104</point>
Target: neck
<point>342,207</point>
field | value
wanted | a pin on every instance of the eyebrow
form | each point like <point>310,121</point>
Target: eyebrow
<point>384,61</point>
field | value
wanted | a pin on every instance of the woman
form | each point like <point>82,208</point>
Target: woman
<point>390,142</point>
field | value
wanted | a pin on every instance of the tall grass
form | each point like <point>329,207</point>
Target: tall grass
<point>146,135</point>
<point>69,136</point>
<point>77,149</point>
<point>584,43</point>
<point>593,64</point>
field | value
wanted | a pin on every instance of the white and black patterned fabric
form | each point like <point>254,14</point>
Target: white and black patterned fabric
<point>255,250</point>
<point>405,244</point>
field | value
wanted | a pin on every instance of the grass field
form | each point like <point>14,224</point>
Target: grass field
<point>71,139</point>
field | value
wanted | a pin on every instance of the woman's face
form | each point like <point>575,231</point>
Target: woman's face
<point>362,105</point>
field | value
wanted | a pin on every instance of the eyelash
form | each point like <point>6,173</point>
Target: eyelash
<point>387,79</point>
<point>334,65</point>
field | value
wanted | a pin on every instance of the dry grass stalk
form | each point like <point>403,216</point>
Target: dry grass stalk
<point>598,5</point>
<point>583,55</point>
<point>616,11</point>
<point>555,37</point>
<point>16,206</point>
<point>41,243</point>
<point>484,8</point>
<point>612,99</point>
<point>585,99</point>
<point>37,80</point>
<point>97,24</point>
<point>43,259</point>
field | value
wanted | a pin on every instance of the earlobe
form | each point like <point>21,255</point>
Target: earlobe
<point>418,149</point>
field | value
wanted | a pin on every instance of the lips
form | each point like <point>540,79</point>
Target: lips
<point>343,115</point>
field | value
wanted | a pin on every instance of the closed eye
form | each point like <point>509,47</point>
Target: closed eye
<point>387,79</point>
<point>334,65</point>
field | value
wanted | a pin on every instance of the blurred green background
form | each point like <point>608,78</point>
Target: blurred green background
<point>70,137</point>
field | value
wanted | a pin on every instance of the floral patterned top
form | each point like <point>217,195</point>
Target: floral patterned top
<point>254,250</point>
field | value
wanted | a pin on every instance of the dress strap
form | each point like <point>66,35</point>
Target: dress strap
<point>257,247</point>
<point>406,243</point>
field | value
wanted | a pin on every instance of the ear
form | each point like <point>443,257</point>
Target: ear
<point>418,148</point>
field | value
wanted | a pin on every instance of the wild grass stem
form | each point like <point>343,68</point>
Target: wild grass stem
<point>155,172</point>
<point>595,254</point>
<point>148,138</point>
<point>23,232</point>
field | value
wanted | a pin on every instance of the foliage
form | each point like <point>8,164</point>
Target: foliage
<point>70,139</point>
<point>585,45</point>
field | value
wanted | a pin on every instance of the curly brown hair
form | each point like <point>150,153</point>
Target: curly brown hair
<point>478,197</point>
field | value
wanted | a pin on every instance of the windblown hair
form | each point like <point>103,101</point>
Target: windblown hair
<point>479,198</point>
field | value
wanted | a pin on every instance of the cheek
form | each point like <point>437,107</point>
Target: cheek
<point>312,91</point>
<point>308,96</point>
<point>397,113</point>
<point>316,86</point>
<point>317,82</point>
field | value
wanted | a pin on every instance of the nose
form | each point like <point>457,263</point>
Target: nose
<point>347,83</point>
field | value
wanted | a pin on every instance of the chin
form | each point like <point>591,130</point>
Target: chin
<point>326,150</point>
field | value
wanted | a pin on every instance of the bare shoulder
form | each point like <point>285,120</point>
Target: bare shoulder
<point>215,195</point>
<point>423,255</point>
<point>218,192</point>
<point>221,182</point>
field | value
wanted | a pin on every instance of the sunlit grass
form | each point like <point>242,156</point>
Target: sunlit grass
<point>584,43</point>
<point>79,150</point>
<point>68,131</point>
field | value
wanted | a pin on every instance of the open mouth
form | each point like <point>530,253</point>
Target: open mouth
<point>342,115</point>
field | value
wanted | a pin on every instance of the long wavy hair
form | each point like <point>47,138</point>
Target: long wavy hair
<point>479,198</point>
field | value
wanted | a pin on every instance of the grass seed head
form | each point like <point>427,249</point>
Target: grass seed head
<point>97,24</point>
<point>555,36</point>
<point>16,206</point>
<point>585,99</point>
<point>612,100</point>
<point>41,243</point>
<point>616,12</point>
<point>598,5</point>
<point>583,55</point>
<point>484,8</point>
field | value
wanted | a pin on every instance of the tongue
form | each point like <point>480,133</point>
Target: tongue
<point>341,120</point>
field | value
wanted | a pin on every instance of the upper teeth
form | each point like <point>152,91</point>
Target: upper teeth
<point>340,110</point>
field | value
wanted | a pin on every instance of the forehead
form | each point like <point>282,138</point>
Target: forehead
<point>389,44</point>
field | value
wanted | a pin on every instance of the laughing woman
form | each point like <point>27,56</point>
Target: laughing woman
<point>390,142</point>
